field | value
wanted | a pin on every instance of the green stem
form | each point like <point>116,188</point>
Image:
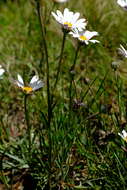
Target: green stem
<point>61,56</point>
<point>27,122</point>
<point>72,79</point>
<point>76,55</point>
<point>48,90</point>
<point>118,85</point>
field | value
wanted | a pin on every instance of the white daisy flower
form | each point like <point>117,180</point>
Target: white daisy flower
<point>122,51</point>
<point>122,3</point>
<point>1,71</point>
<point>123,135</point>
<point>69,20</point>
<point>85,36</point>
<point>60,1</point>
<point>34,84</point>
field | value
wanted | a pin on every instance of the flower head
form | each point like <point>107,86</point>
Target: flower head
<point>122,3</point>
<point>123,135</point>
<point>1,71</point>
<point>34,84</point>
<point>122,51</point>
<point>69,20</point>
<point>85,36</point>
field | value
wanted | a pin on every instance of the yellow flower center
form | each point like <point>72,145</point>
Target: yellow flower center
<point>27,89</point>
<point>68,24</point>
<point>83,38</point>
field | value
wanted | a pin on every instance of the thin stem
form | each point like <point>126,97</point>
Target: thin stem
<point>48,89</point>
<point>27,122</point>
<point>76,55</point>
<point>118,85</point>
<point>72,74</point>
<point>61,56</point>
<point>71,80</point>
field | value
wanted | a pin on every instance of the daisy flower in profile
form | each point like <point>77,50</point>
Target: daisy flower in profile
<point>69,20</point>
<point>1,71</point>
<point>122,3</point>
<point>34,84</point>
<point>123,135</point>
<point>122,51</point>
<point>60,1</point>
<point>85,36</point>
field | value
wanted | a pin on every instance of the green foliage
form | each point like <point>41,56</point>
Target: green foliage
<point>73,141</point>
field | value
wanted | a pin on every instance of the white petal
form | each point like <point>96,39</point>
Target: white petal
<point>124,133</point>
<point>54,14</point>
<point>18,84</point>
<point>66,11</point>
<point>94,41</point>
<point>59,14</point>
<point>74,34</point>
<point>56,17</point>
<point>76,16</point>
<point>89,34</point>
<point>81,21</point>
<point>60,1</point>
<point>1,72</point>
<point>39,84</point>
<point>120,135</point>
<point>34,79</point>
<point>20,80</point>
<point>86,42</point>
<point>122,51</point>
<point>122,3</point>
